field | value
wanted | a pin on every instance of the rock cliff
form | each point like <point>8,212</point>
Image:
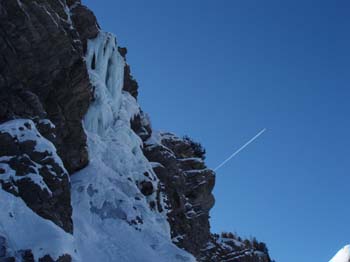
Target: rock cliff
<point>83,175</point>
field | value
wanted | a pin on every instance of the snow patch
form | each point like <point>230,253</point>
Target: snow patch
<point>23,229</point>
<point>343,255</point>
<point>23,130</point>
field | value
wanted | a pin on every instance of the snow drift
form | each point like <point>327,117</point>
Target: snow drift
<point>343,255</point>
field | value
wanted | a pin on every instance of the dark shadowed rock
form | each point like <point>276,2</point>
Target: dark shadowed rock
<point>27,256</point>
<point>123,51</point>
<point>2,247</point>
<point>34,172</point>
<point>228,247</point>
<point>84,22</point>
<point>188,184</point>
<point>141,125</point>
<point>70,3</point>
<point>63,258</point>
<point>130,84</point>
<point>42,72</point>
<point>146,188</point>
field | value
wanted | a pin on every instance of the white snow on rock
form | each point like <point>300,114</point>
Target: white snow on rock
<point>343,255</point>
<point>23,130</point>
<point>23,229</point>
<point>10,175</point>
<point>113,220</point>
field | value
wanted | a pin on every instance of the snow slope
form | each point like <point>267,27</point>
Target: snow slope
<point>343,255</point>
<point>24,229</point>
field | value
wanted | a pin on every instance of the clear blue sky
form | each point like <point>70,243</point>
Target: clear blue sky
<point>222,70</point>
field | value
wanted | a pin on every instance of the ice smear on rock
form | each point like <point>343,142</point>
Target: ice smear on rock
<point>106,71</point>
<point>113,219</point>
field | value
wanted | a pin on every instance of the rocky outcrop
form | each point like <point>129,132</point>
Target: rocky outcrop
<point>43,77</point>
<point>42,71</point>
<point>187,183</point>
<point>130,84</point>
<point>141,125</point>
<point>31,169</point>
<point>228,247</point>
<point>84,22</point>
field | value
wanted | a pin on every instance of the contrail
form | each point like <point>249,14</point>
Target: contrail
<point>239,150</point>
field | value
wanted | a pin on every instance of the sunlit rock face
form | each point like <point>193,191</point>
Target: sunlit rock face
<point>83,176</point>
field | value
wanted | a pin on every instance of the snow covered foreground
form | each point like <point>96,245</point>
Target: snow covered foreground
<point>113,220</point>
<point>343,255</point>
